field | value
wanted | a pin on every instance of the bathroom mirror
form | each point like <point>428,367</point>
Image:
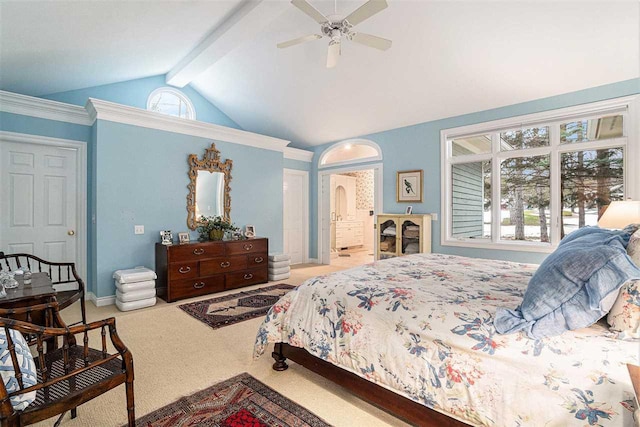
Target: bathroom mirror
<point>209,187</point>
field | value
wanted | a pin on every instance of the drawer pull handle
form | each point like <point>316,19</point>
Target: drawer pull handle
<point>198,251</point>
<point>184,270</point>
<point>248,247</point>
<point>225,264</point>
<point>248,276</point>
<point>258,260</point>
<point>198,285</point>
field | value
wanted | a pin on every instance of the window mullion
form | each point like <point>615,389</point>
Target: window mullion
<point>555,200</point>
<point>496,211</point>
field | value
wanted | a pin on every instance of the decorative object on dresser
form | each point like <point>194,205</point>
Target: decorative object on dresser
<point>400,235</point>
<point>209,188</point>
<point>409,186</point>
<point>249,231</point>
<point>135,288</point>
<point>167,237</point>
<point>214,228</point>
<point>202,268</point>
<point>183,238</point>
<point>279,266</point>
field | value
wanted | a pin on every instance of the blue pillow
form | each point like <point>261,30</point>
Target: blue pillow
<point>575,286</point>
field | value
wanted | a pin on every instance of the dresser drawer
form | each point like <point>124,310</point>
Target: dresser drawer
<point>246,278</point>
<point>183,270</point>
<point>247,246</point>
<point>193,287</point>
<point>254,260</point>
<point>223,265</point>
<point>195,252</point>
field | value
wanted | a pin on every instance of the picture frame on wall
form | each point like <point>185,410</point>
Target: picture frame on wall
<point>409,186</point>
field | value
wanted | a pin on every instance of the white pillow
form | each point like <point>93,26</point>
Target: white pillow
<point>624,316</point>
<point>27,367</point>
<point>633,248</point>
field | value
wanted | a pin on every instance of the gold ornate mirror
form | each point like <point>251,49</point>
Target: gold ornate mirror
<point>209,188</point>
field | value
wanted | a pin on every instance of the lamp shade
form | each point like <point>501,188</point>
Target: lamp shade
<point>620,214</point>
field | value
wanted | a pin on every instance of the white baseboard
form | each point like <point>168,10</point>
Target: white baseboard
<point>102,301</point>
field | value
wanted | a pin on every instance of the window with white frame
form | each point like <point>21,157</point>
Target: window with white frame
<point>524,183</point>
<point>172,102</point>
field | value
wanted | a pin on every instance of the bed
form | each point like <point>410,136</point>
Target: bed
<point>415,336</point>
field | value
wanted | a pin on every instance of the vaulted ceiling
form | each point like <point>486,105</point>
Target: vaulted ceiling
<point>448,57</point>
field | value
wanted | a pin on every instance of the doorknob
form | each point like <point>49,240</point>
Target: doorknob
<point>71,232</point>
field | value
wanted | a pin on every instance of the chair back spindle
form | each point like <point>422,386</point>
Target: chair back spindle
<point>14,358</point>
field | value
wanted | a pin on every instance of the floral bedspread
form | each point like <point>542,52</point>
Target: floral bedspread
<point>422,326</point>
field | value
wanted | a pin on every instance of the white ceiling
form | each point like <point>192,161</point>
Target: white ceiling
<point>54,46</point>
<point>448,58</point>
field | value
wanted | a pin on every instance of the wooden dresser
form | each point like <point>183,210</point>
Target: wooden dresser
<point>194,269</point>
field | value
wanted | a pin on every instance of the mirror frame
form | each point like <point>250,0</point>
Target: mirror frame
<point>210,162</point>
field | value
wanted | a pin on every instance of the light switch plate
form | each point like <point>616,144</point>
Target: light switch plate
<point>138,229</point>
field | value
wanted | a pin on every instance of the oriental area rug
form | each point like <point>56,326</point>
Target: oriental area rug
<point>234,308</point>
<point>241,401</point>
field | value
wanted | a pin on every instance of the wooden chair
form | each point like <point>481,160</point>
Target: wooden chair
<point>59,272</point>
<point>68,376</point>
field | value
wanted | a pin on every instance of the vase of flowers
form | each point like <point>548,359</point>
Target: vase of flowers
<point>214,227</point>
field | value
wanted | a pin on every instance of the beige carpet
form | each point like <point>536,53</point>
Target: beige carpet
<point>176,355</point>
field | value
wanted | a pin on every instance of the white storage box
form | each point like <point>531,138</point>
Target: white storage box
<point>135,295</point>
<point>134,305</point>
<point>278,264</point>
<point>279,257</point>
<point>276,271</point>
<point>282,276</point>
<point>138,274</point>
<point>135,286</point>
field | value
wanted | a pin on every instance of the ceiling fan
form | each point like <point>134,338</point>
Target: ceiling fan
<point>335,27</point>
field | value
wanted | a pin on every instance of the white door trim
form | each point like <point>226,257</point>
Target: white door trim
<point>377,205</point>
<point>305,203</point>
<point>81,186</point>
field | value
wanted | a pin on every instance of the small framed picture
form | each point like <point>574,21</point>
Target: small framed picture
<point>183,238</point>
<point>409,186</point>
<point>409,210</point>
<point>249,231</point>
<point>167,237</point>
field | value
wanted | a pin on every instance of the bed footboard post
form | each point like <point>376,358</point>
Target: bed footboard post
<point>281,361</point>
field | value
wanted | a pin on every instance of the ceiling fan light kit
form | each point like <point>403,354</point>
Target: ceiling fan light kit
<point>335,28</point>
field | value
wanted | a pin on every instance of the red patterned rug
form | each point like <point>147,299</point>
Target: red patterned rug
<point>241,401</point>
<point>234,308</point>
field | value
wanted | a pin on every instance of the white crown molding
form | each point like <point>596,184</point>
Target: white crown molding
<point>24,105</point>
<point>298,154</point>
<point>110,111</point>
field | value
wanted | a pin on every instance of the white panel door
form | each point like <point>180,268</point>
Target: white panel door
<point>296,208</point>
<point>38,200</point>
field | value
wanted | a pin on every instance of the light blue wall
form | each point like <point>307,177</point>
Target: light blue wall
<point>297,165</point>
<point>418,147</point>
<point>135,93</point>
<point>142,180</point>
<point>43,127</point>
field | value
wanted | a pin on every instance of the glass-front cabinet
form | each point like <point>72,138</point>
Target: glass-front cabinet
<point>400,235</point>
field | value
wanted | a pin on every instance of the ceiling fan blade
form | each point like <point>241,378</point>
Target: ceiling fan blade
<point>366,11</point>
<point>299,40</point>
<point>311,11</point>
<point>333,54</point>
<point>372,41</point>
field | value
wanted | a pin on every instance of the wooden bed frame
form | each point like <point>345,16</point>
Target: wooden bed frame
<point>399,406</point>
